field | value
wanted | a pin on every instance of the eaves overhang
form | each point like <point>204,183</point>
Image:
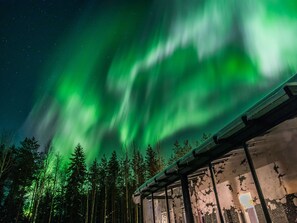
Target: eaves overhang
<point>276,107</point>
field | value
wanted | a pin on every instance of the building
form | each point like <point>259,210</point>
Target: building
<point>247,172</point>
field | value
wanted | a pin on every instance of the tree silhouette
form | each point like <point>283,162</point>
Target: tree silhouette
<point>179,151</point>
<point>76,176</point>
<point>94,178</point>
<point>151,162</point>
<point>102,196</point>
<point>41,187</point>
<point>138,167</point>
<point>24,171</point>
<point>112,192</point>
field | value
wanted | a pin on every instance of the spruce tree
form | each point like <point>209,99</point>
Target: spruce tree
<point>138,168</point>
<point>151,162</point>
<point>179,151</point>
<point>112,175</point>
<point>125,188</point>
<point>138,176</point>
<point>103,187</point>
<point>24,171</point>
<point>203,138</point>
<point>76,176</point>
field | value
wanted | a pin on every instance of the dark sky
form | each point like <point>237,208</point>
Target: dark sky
<point>109,73</point>
<point>29,32</point>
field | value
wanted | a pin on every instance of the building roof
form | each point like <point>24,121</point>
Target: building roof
<point>276,107</point>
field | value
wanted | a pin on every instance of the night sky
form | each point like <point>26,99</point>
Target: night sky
<point>109,73</point>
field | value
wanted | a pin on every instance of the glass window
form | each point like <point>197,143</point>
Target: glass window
<point>148,210</point>
<point>202,197</point>
<point>176,203</point>
<point>275,159</point>
<point>171,207</point>
<point>160,207</point>
<point>238,197</point>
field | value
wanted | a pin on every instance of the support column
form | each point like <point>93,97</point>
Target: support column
<point>257,184</point>
<point>167,205</point>
<point>141,210</point>
<point>186,197</point>
<point>153,206</point>
<point>215,192</point>
<point>138,213</point>
<point>173,209</point>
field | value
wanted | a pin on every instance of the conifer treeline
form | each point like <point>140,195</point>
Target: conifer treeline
<point>39,187</point>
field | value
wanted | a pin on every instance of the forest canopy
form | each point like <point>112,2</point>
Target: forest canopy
<point>43,186</point>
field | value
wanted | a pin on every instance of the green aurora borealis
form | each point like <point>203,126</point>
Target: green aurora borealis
<point>114,80</point>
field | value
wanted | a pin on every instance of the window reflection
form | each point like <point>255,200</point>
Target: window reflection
<point>148,210</point>
<point>202,196</point>
<point>236,189</point>
<point>160,207</point>
<point>176,203</point>
<point>275,158</point>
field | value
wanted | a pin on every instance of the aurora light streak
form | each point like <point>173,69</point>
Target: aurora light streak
<point>116,81</point>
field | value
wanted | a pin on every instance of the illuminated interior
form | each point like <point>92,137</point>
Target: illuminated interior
<point>241,178</point>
